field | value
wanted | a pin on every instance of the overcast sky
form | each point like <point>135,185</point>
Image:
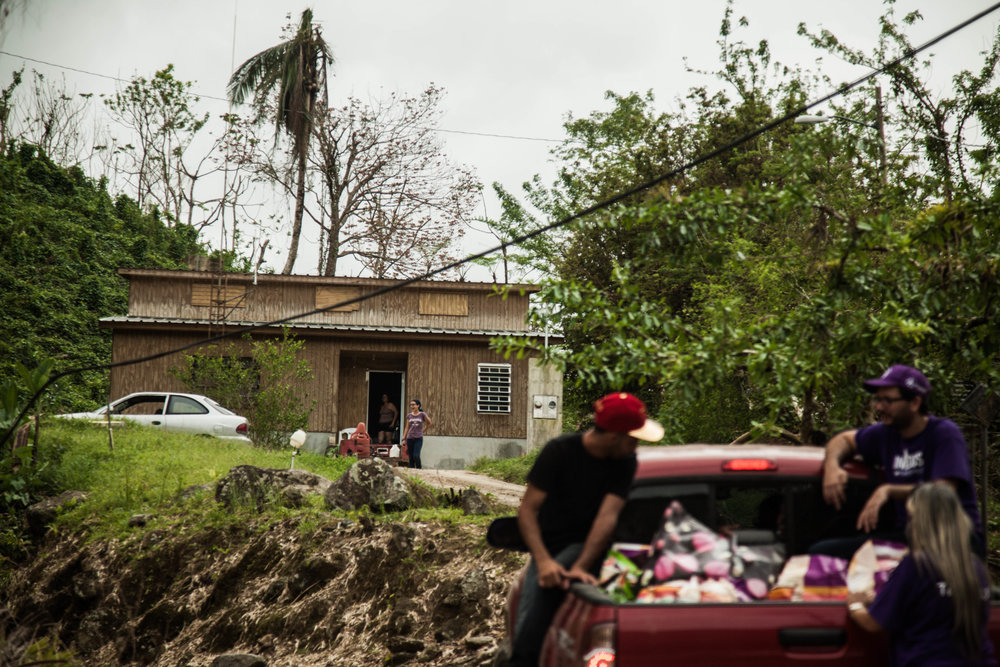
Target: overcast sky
<point>509,67</point>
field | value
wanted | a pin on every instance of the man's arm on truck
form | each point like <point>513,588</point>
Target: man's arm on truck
<point>550,572</point>
<point>840,448</point>
<point>597,539</point>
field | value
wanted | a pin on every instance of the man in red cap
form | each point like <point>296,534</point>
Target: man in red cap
<point>910,444</point>
<point>575,492</point>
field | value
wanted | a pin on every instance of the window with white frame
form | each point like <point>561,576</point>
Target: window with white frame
<point>493,390</point>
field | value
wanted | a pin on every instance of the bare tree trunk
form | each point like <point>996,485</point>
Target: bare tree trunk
<point>300,197</point>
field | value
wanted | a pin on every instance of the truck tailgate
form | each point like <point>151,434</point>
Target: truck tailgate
<point>761,633</point>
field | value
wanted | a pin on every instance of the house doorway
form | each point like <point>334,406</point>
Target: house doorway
<point>393,385</point>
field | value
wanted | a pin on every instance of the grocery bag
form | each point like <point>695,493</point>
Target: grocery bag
<point>872,564</point>
<point>683,547</point>
<point>755,569</point>
<point>811,578</point>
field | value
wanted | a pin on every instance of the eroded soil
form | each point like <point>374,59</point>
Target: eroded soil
<point>344,592</point>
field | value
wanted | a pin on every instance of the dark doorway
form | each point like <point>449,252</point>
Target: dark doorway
<point>384,383</point>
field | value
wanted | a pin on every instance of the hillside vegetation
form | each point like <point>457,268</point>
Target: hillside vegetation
<point>64,236</point>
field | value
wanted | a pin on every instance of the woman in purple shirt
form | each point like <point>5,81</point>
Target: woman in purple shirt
<point>417,422</point>
<point>935,605</point>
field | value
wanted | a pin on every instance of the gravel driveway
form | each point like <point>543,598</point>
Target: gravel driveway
<point>504,492</point>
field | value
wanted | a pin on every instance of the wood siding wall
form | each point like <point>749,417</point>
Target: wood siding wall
<point>154,296</point>
<point>441,374</point>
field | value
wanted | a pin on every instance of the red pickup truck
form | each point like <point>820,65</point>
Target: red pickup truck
<point>722,486</point>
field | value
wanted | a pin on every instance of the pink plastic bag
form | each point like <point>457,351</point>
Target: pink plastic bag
<point>684,547</point>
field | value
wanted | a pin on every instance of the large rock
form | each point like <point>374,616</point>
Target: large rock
<point>260,486</point>
<point>44,512</point>
<point>370,482</point>
<point>473,502</point>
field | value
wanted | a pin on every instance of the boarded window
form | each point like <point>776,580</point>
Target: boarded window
<point>444,303</point>
<point>213,294</point>
<point>493,392</point>
<point>328,295</point>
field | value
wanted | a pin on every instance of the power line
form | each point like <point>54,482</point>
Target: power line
<point>606,203</point>
<point>226,100</point>
<point>498,136</point>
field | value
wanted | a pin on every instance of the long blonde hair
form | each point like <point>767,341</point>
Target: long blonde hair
<point>940,535</point>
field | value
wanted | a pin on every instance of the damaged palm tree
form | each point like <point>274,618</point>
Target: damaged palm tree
<point>294,70</point>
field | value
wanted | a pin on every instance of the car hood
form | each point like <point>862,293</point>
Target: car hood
<point>81,415</point>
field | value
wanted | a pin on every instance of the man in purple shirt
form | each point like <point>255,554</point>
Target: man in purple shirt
<point>911,445</point>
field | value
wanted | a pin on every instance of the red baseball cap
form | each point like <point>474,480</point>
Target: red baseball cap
<point>624,413</point>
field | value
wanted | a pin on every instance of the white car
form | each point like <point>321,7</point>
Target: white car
<point>187,413</point>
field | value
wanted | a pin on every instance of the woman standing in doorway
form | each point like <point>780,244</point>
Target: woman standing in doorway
<point>417,422</point>
<point>387,416</point>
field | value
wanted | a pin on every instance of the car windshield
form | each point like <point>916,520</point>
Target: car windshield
<point>218,407</point>
<point>142,404</point>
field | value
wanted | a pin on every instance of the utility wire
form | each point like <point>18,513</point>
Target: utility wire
<point>606,203</point>
<point>492,135</point>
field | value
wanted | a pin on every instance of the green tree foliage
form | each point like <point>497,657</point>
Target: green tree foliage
<point>758,289</point>
<point>940,126</point>
<point>63,239</point>
<point>264,387</point>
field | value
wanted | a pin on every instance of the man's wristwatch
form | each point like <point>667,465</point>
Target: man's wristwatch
<point>856,606</point>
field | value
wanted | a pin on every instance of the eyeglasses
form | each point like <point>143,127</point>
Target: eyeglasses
<point>887,400</point>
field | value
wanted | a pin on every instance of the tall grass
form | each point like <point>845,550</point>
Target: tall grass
<point>147,468</point>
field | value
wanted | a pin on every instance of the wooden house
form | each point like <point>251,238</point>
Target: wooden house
<point>426,340</point>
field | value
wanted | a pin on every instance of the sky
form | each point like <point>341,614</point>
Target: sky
<point>513,68</point>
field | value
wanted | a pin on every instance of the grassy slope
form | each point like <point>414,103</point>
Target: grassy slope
<point>147,470</point>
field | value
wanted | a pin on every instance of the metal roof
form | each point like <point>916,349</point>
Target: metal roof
<point>447,285</point>
<point>319,326</point>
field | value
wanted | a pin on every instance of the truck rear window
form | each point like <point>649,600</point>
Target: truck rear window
<point>792,509</point>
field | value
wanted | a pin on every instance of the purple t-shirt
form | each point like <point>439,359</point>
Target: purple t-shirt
<point>937,452</point>
<point>416,425</point>
<point>915,608</point>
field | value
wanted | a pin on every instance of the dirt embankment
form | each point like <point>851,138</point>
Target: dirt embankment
<point>345,592</point>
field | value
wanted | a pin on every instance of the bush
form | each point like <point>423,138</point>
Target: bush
<point>263,387</point>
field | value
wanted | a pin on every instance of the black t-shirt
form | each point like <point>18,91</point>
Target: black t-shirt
<point>575,484</point>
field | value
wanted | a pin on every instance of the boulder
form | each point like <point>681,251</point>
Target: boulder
<point>44,512</point>
<point>370,482</point>
<point>194,490</point>
<point>259,486</point>
<point>473,502</point>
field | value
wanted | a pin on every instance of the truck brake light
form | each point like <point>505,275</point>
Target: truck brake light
<point>749,465</point>
<point>600,658</point>
<point>599,648</point>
